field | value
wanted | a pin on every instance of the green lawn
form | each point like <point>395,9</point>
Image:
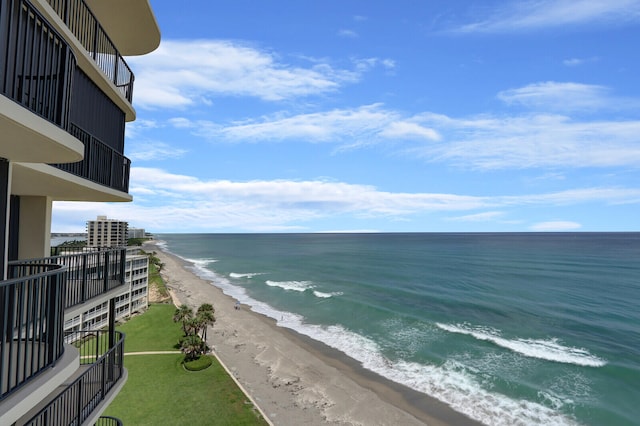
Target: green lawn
<point>160,391</point>
<point>152,331</point>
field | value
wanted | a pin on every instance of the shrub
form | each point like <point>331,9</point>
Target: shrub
<point>198,364</point>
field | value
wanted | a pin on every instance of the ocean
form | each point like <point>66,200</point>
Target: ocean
<point>508,328</point>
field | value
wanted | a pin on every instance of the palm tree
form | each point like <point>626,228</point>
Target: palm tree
<point>193,347</point>
<point>192,326</point>
<point>183,314</point>
<point>205,316</point>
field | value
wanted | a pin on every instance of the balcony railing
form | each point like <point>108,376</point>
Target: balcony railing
<point>37,71</point>
<point>37,64</point>
<point>84,25</point>
<point>32,317</point>
<point>89,273</point>
<point>101,164</point>
<point>103,352</point>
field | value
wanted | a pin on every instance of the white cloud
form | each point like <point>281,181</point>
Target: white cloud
<point>366,124</point>
<point>478,217</point>
<point>316,127</point>
<point>404,129</point>
<point>574,62</point>
<point>555,226</point>
<point>166,202</point>
<point>366,64</point>
<point>556,96</point>
<point>181,73</point>
<point>348,34</point>
<point>147,151</point>
<point>485,142</point>
<point>531,141</point>
<point>532,15</point>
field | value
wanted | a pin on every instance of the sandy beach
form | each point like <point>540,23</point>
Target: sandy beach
<point>293,379</point>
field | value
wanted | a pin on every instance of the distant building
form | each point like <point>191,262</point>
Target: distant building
<point>104,232</point>
<point>136,233</point>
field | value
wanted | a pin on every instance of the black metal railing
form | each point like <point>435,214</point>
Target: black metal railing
<point>37,64</point>
<point>32,318</point>
<point>101,164</point>
<point>90,273</point>
<point>103,352</point>
<point>84,25</point>
<point>37,71</point>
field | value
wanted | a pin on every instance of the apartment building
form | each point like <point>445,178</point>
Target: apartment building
<point>65,96</point>
<point>133,298</point>
<point>104,232</point>
<point>136,233</point>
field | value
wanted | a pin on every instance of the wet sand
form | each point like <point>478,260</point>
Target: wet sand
<point>293,379</point>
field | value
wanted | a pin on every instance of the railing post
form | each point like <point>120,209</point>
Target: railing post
<point>66,12</point>
<point>79,403</point>
<point>84,277</point>
<point>51,318</point>
<point>123,262</point>
<point>106,271</point>
<point>104,377</point>
<point>96,28</point>
<point>112,338</point>
<point>115,69</point>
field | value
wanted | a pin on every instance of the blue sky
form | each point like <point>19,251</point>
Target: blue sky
<point>361,115</point>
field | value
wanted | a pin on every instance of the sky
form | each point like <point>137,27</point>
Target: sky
<point>384,116</point>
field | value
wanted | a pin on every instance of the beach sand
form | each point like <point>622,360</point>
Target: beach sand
<point>293,379</point>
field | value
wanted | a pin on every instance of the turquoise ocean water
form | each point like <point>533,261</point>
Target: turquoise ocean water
<point>506,328</point>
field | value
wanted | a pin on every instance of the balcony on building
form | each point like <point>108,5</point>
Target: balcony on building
<point>47,376</point>
<point>66,95</point>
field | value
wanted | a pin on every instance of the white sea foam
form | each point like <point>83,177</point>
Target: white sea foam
<point>291,285</point>
<point>202,262</point>
<point>245,275</point>
<point>323,295</point>
<point>450,382</point>
<point>546,349</point>
<point>162,245</point>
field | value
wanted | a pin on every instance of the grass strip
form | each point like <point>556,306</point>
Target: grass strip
<point>160,391</point>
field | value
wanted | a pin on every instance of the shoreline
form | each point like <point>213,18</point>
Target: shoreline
<point>293,378</point>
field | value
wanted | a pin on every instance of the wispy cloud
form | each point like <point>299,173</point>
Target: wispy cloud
<point>183,73</point>
<point>348,33</point>
<point>366,124</point>
<point>574,62</point>
<point>531,141</point>
<point>556,96</point>
<point>533,15</point>
<point>478,217</point>
<point>147,151</point>
<point>567,97</point>
<point>555,226</point>
<point>485,142</point>
<point>189,203</point>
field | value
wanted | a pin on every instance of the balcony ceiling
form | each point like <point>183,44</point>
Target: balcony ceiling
<point>30,138</point>
<point>44,180</point>
<point>131,24</point>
